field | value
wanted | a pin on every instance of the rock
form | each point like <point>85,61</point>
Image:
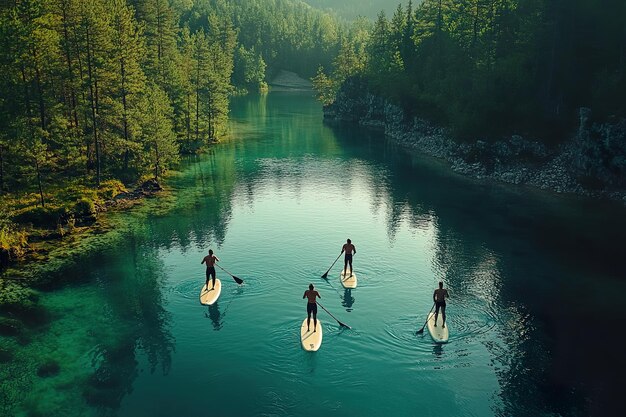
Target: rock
<point>10,327</point>
<point>6,356</point>
<point>150,186</point>
<point>48,369</point>
<point>593,162</point>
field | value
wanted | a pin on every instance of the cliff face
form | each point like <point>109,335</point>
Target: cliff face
<point>592,162</point>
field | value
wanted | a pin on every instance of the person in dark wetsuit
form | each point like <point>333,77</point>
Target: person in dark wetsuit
<point>439,298</point>
<point>210,260</point>
<point>349,249</point>
<point>311,306</point>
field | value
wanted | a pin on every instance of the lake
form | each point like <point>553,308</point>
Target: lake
<point>536,284</point>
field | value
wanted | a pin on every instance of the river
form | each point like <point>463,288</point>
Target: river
<point>535,280</point>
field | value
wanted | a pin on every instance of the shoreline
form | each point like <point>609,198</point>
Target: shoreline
<point>42,241</point>
<point>579,166</point>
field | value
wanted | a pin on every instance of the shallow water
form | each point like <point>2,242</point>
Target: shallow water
<point>527,272</point>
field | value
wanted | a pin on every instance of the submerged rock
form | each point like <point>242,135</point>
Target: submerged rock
<point>10,327</point>
<point>6,356</point>
<point>48,369</point>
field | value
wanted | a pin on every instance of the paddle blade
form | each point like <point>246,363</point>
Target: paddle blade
<point>325,275</point>
<point>344,325</point>
<point>238,280</point>
<point>420,331</point>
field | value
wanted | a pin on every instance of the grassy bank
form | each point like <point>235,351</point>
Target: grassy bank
<point>36,238</point>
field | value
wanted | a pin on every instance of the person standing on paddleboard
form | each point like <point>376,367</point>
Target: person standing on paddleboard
<point>349,249</point>
<point>311,306</point>
<point>210,260</point>
<point>439,298</point>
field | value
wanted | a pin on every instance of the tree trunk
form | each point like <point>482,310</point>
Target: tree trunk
<point>1,170</point>
<point>210,118</point>
<point>124,114</point>
<point>475,28</point>
<point>70,71</point>
<point>188,116</point>
<point>26,92</point>
<point>93,101</point>
<point>43,202</point>
<point>198,101</point>
<point>42,107</point>
<point>157,161</point>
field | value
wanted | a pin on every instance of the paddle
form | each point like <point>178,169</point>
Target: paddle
<point>420,331</point>
<point>237,279</point>
<point>331,267</point>
<point>340,323</point>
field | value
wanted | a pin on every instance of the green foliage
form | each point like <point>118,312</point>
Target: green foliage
<point>79,78</point>
<point>84,208</point>
<point>493,67</point>
<point>249,69</point>
<point>13,240</point>
<point>17,298</point>
<point>46,217</point>
<point>110,188</point>
<point>325,87</point>
<point>160,147</point>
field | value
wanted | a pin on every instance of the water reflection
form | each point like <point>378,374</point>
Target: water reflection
<point>215,316</point>
<point>504,249</point>
<point>138,321</point>
<point>438,351</point>
<point>517,265</point>
<point>347,300</point>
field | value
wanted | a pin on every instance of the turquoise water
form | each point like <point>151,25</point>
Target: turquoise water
<point>529,273</point>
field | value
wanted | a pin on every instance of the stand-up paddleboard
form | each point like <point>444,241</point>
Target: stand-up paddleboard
<point>311,340</point>
<point>346,280</point>
<point>209,297</point>
<point>439,333</point>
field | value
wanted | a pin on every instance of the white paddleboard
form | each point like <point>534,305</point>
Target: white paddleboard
<point>439,333</point>
<point>311,341</point>
<point>346,280</point>
<point>209,297</point>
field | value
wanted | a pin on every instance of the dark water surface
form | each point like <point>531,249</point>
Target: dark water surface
<point>536,282</point>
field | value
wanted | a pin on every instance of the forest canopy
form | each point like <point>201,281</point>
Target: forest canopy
<point>118,89</point>
<point>493,67</point>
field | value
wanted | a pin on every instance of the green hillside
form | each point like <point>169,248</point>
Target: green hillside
<point>350,9</point>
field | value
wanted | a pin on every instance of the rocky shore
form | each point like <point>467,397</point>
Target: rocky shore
<point>592,162</point>
<point>84,218</point>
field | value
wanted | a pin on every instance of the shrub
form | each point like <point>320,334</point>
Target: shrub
<point>47,216</point>
<point>109,189</point>
<point>84,208</point>
<point>13,240</point>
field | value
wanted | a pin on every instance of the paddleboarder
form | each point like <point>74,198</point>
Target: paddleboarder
<point>210,260</point>
<point>349,249</point>
<point>439,298</point>
<point>311,306</point>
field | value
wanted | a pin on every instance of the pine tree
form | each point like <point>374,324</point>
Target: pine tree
<point>159,140</point>
<point>128,82</point>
